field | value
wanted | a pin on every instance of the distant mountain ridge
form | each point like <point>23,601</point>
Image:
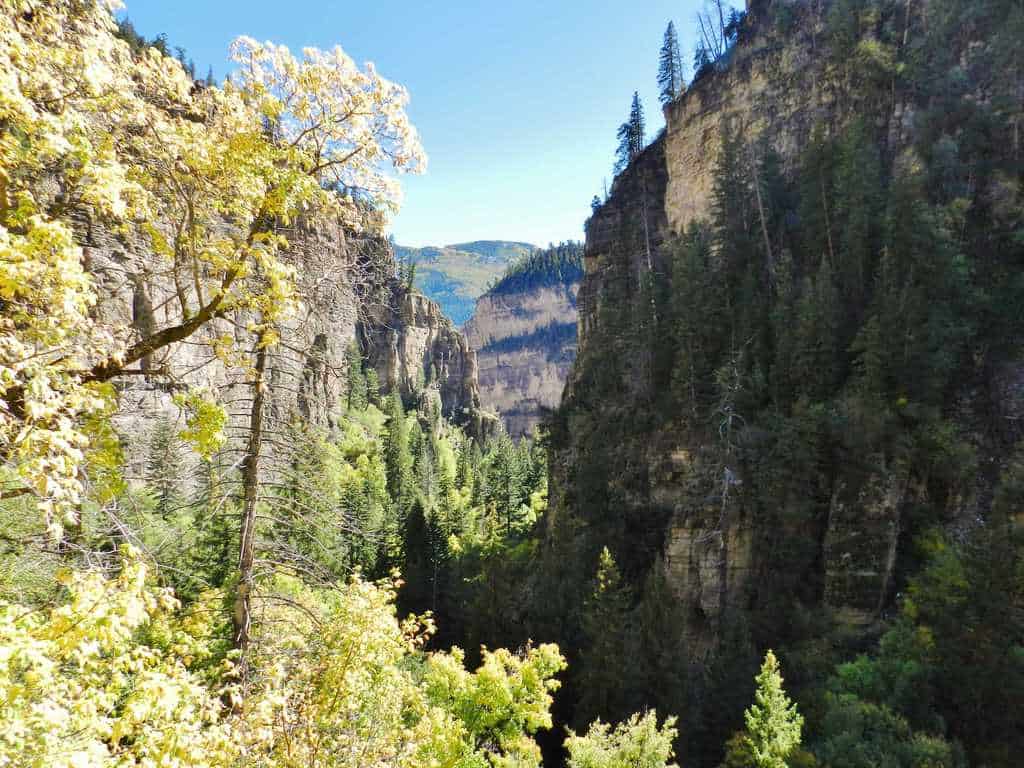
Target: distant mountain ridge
<point>456,275</point>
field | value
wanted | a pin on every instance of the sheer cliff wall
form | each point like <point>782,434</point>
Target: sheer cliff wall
<point>626,468</point>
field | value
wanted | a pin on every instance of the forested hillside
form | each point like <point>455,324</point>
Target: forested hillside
<point>794,418</point>
<point>254,511</point>
<point>455,276</point>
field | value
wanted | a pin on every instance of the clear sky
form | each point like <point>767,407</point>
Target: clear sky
<point>517,103</point>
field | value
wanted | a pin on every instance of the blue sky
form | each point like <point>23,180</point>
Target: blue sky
<point>517,102</point>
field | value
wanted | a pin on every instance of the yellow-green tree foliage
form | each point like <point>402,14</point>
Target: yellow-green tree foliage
<point>637,743</point>
<point>198,175</point>
<point>116,676</point>
<point>80,691</point>
<point>773,723</point>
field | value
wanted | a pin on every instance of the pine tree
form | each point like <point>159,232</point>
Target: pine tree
<point>637,126</point>
<point>815,353</point>
<point>858,203</point>
<point>425,555</point>
<point>165,467</point>
<point>702,63</point>
<point>670,66</point>
<point>357,389</point>
<point>398,459</point>
<point>773,723</point>
<point>213,556</point>
<point>631,136</point>
<point>604,681</point>
<point>623,153</point>
<point>466,468</point>
<point>372,386</point>
<point>701,319</point>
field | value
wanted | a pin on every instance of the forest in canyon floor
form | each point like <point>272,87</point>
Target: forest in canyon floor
<point>253,513</point>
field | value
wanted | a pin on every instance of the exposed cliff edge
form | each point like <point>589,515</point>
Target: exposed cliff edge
<point>524,332</point>
<point>413,345</point>
<point>349,294</point>
<point>681,475</point>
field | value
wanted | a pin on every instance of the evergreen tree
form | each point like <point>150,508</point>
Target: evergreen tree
<point>623,152</point>
<point>467,465</point>
<point>373,386</point>
<point>637,126</point>
<point>604,678</point>
<point>702,322</point>
<point>858,194</point>
<point>165,467</point>
<point>398,462</point>
<point>631,136</point>
<point>126,31</point>
<point>212,559</point>
<point>773,723</point>
<point>425,554</point>
<point>816,209</point>
<point>357,388</point>
<point>424,458</point>
<point>702,63</point>
<point>815,354</point>
<point>670,66</point>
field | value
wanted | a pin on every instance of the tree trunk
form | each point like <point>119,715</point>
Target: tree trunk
<point>769,257</point>
<point>250,487</point>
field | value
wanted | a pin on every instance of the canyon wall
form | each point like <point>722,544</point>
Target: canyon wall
<point>525,343</point>
<point>348,292</point>
<point>660,490</point>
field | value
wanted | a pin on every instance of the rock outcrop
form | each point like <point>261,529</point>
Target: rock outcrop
<point>526,344</point>
<point>349,293</point>
<point>666,493</point>
<point>413,345</point>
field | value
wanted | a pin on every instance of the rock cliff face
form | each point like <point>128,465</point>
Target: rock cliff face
<point>669,497</point>
<point>349,293</point>
<point>412,345</point>
<point>776,85</point>
<point>526,344</point>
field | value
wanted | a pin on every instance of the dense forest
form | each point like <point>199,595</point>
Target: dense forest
<point>819,352</point>
<point>246,575</point>
<point>555,265</point>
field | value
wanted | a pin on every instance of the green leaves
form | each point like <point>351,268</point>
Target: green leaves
<point>639,742</point>
<point>205,420</point>
<point>773,723</point>
<point>503,703</point>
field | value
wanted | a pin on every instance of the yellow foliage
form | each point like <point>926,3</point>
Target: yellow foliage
<point>193,173</point>
<point>334,679</point>
<point>78,691</point>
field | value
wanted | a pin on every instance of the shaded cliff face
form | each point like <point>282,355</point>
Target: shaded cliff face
<point>602,439</point>
<point>681,507</point>
<point>701,494</point>
<point>349,293</point>
<point>525,343</point>
<point>413,345</point>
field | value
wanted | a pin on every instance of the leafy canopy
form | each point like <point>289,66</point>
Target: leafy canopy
<point>198,176</point>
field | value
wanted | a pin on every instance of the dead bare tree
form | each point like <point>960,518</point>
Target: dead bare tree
<point>711,28</point>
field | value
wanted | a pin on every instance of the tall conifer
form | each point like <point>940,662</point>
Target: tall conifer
<point>773,724</point>
<point>631,136</point>
<point>636,126</point>
<point>670,66</point>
